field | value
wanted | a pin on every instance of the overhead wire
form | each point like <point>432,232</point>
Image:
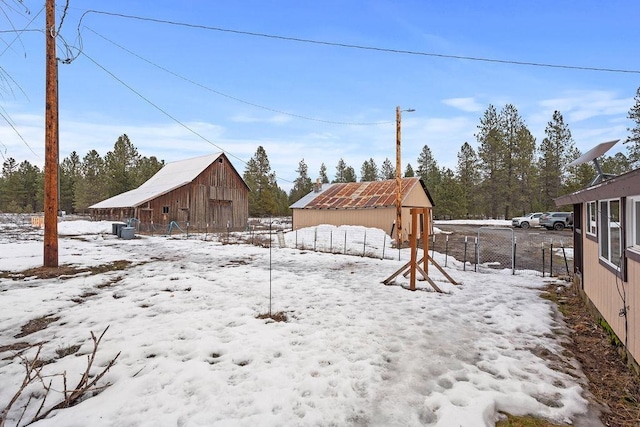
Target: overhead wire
<point>361,47</point>
<point>5,76</point>
<point>166,113</point>
<point>217,92</point>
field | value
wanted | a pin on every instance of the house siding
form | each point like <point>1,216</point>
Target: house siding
<point>602,288</point>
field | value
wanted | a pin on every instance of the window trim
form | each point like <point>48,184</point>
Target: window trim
<point>605,233</point>
<point>633,224</point>
<point>591,218</point>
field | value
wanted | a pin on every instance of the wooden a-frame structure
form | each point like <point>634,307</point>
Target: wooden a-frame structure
<point>414,265</point>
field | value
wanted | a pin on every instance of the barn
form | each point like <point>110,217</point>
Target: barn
<point>369,204</point>
<point>205,193</point>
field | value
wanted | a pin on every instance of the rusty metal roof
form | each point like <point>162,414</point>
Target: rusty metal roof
<point>358,195</point>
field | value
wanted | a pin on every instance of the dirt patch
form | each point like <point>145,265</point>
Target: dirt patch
<point>35,325</point>
<point>614,385</point>
<point>65,271</point>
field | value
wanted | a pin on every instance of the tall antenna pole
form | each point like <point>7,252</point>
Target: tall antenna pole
<point>51,141</point>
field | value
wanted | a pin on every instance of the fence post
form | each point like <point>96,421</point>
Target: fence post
<point>331,241</point>
<point>542,244</point>
<point>464,262</point>
<point>345,242</point>
<point>384,244</point>
<point>315,238</point>
<point>364,244</point>
<point>551,259</point>
<point>513,267</point>
<point>475,255</point>
<point>446,249</point>
<point>566,264</point>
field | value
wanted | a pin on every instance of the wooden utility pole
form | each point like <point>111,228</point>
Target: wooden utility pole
<point>398,182</point>
<point>51,141</point>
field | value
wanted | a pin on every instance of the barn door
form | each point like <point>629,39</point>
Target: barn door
<point>222,214</point>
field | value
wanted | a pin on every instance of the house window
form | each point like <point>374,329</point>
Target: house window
<point>592,216</point>
<point>633,223</point>
<point>165,209</point>
<point>610,238</point>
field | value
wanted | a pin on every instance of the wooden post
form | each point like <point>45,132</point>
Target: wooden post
<point>398,182</point>
<point>414,247</point>
<point>425,238</point>
<point>51,141</point>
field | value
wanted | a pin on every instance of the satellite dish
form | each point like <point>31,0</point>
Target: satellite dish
<point>592,155</point>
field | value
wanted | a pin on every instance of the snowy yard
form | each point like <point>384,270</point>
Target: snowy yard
<point>353,352</point>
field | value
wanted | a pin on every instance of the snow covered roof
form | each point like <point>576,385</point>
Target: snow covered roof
<point>170,177</point>
<point>358,195</point>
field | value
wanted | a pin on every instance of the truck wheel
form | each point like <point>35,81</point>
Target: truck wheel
<point>558,226</point>
<point>524,225</point>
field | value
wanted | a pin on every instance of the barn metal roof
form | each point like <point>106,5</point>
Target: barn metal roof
<point>358,195</point>
<point>170,177</point>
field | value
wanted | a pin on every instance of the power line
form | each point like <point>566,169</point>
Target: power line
<point>157,107</point>
<point>362,47</point>
<point>252,104</point>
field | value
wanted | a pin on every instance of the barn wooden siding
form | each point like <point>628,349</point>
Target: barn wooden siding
<point>217,198</point>
<point>601,287</point>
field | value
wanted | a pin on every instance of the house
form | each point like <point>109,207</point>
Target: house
<point>205,192</point>
<point>607,253</point>
<point>370,204</point>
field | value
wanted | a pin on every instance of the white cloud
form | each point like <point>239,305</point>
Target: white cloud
<point>275,119</point>
<point>469,105</point>
<point>576,106</point>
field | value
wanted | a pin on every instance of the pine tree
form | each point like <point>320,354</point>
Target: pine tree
<point>302,185</point>
<point>323,174</point>
<point>519,148</point>
<point>448,194</point>
<point>265,196</point>
<point>387,170</point>
<point>468,177</point>
<point>10,185</point>
<point>633,140</point>
<point>524,173</point>
<point>554,154</point>
<point>369,171</point>
<point>70,174</point>
<point>146,168</point>
<point>491,154</point>
<point>408,172</point>
<point>350,174</point>
<point>344,173</point>
<point>616,164</point>
<point>120,166</point>
<point>91,188</point>
<point>428,169</point>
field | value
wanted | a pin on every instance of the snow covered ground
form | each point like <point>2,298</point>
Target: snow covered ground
<point>353,352</point>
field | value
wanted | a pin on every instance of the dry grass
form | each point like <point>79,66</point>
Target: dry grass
<point>280,316</point>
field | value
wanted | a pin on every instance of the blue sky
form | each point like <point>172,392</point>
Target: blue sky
<point>180,91</point>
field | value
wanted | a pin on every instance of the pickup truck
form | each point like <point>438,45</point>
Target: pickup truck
<point>556,220</point>
<point>529,220</point>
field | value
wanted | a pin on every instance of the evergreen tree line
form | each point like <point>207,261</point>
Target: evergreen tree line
<point>82,182</point>
<point>509,174</point>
